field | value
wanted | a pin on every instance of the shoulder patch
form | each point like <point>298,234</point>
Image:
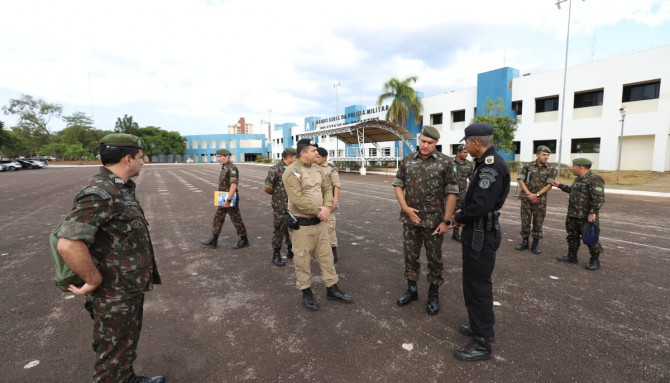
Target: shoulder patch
<point>93,190</point>
<point>297,174</point>
<point>484,183</point>
<point>489,160</point>
<point>599,188</point>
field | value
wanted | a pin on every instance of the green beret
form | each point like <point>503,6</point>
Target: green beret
<point>582,161</point>
<point>122,140</point>
<point>460,147</point>
<point>290,152</point>
<point>430,131</point>
<point>543,149</point>
<point>223,152</point>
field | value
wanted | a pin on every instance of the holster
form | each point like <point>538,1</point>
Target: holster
<point>291,221</point>
<point>478,236</point>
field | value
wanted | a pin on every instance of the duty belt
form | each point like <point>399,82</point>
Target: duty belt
<point>308,221</point>
<point>489,223</point>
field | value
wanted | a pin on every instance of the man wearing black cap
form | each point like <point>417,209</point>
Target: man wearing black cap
<point>534,180</point>
<point>426,188</point>
<point>587,196</point>
<point>108,224</point>
<point>310,199</point>
<point>228,179</point>
<point>481,238</point>
<point>465,169</point>
<point>330,171</point>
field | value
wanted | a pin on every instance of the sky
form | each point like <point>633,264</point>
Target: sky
<point>197,66</point>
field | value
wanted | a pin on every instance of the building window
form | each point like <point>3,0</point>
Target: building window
<point>458,116</point>
<point>585,145</point>
<point>639,92</point>
<point>331,153</point>
<point>517,106</point>
<point>436,119</point>
<point>203,144</point>
<point>588,98</point>
<point>386,152</point>
<point>372,152</point>
<point>551,144</point>
<point>546,104</point>
<point>194,144</point>
<point>517,147</point>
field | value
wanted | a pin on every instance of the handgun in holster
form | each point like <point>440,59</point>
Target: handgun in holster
<point>478,237</point>
<point>291,221</point>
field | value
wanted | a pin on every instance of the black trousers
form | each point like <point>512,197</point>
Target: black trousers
<point>477,283</point>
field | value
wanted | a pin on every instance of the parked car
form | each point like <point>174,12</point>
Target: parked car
<point>3,168</point>
<point>30,164</point>
<point>12,165</point>
<point>44,158</point>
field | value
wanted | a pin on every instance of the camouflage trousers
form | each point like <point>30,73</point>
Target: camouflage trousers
<point>280,229</point>
<point>117,323</point>
<point>532,213</point>
<point>573,226</point>
<point>235,216</point>
<point>415,237</point>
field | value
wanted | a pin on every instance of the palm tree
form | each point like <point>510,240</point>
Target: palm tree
<point>404,100</point>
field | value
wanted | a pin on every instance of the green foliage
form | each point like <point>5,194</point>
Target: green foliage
<point>126,125</point>
<point>12,144</point>
<point>158,141</point>
<point>504,126</point>
<point>59,147</point>
<point>79,129</point>
<point>34,116</point>
<point>77,151</point>
<point>403,98</point>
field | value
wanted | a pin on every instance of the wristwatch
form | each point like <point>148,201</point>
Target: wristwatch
<point>230,200</point>
<point>448,222</point>
<point>538,194</point>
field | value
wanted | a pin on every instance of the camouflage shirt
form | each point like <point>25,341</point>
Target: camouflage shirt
<point>273,181</point>
<point>464,169</point>
<point>587,195</point>
<point>108,217</point>
<point>426,183</point>
<point>229,175</point>
<point>535,177</point>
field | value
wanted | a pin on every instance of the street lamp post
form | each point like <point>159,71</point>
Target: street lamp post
<point>337,87</point>
<point>622,110</point>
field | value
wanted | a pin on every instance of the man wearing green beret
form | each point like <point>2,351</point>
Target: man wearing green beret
<point>274,186</point>
<point>587,196</point>
<point>464,169</point>
<point>228,179</point>
<point>426,187</point>
<point>534,180</point>
<point>108,224</point>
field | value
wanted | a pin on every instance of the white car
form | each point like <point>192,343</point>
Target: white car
<point>12,166</point>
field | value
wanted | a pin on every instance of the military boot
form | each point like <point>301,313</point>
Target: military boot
<point>467,331</point>
<point>211,242</point>
<point>289,255</point>
<point>456,236</point>
<point>143,379</point>
<point>594,263</point>
<point>571,257</point>
<point>308,299</point>
<point>410,295</point>
<point>334,293</point>
<point>534,247</point>
<point>433,306</point>
<point>478,349</point>
<point>243,242</point>
<point>523,245</point>
<point>276,259</point>
<point>334,254</point>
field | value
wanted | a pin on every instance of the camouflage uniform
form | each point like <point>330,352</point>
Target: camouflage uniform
<point>279,204</point>
<point>108,217</point>
<point>535,177</point>
<point>587,196</point>
<point>464,169</point>
<point>426,183</point>
<point>330,171</point>
<point>229,175</point>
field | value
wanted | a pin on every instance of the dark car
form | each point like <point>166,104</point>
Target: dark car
<point>28,164</point>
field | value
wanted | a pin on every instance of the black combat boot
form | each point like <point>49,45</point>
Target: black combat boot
<point>456,236</point>
<point>433,306</point>
<point>334,254</point>
<point>143,379</point>
<point>289,255</point>
<point>523,245</point>
<point>478,349</point>
<point>571,257</point>
<point>243,242</point>
<point>308,299</point>
<point>467,331</point>
<point>534,247</point>
<point>334,293</point>
<point>276,259</point>
<point>410,295</point>
<point>211,242</point>
<point>594,263</point>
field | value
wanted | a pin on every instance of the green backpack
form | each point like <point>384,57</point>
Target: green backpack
<point>64,276</point>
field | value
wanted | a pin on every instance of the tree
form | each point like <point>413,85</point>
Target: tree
<point>34,115</point>
<point>158,141</point>
<point>504,126</point>
<point>12,145</point>
<point>126,125</point>
<point>80,130</point>
<point>404,100</point>
<point>77,151</point>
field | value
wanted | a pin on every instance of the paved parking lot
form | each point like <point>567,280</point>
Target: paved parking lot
<point>228,315</point>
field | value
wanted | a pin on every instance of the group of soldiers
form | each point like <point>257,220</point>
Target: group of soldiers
<point>435,193</point>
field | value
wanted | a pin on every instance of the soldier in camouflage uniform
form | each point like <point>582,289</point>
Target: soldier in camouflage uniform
<point>465,169</point>
<point>274,186</point>
<point>107,223</point>
<point>587,196</point>
<point>535,180</point>
<point>426,188</point>
<point>228,179</point>
<point>330,171</point>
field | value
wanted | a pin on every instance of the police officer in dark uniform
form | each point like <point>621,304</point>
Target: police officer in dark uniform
<point>481,238</point>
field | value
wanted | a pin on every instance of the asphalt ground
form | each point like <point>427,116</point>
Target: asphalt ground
<point>229,315</point>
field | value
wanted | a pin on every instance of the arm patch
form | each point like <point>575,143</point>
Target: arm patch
<point>94,190</point>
